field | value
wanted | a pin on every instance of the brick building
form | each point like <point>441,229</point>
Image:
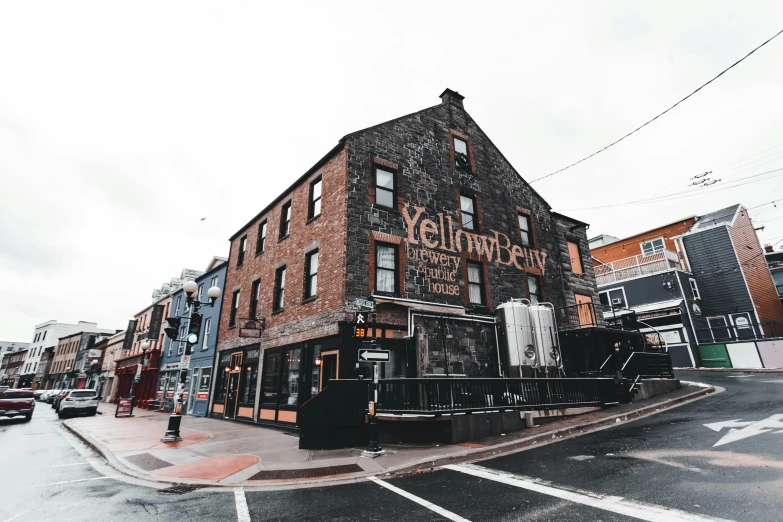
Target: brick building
<point>422,215</point>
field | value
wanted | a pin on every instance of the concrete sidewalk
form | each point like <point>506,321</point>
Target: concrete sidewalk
<point>222,453</point>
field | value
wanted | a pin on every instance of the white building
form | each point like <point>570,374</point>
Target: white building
<point>45,336</point>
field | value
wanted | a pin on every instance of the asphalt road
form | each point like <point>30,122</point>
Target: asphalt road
<point>663,467</point>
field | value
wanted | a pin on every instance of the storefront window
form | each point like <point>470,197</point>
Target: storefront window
<point>220,384</point>
<point>271,377</point>
<point>172,381</point>
<point>203,386</point>
<point>249,378</point>
<point>289,389</point>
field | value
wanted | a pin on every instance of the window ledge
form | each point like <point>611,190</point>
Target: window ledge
<point>312,219</point>
<point>240,266</point>
<point>232,326</point>
<point>282,238</point>
<point>309,299</point>
<point>259,253</point>
<point>278,311</point>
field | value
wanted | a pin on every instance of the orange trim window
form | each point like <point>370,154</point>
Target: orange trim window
<point>576,258</point>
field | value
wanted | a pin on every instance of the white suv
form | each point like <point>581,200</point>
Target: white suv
<point>78,401</point>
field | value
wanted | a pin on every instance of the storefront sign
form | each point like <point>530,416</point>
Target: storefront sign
<point>169,367</point>
<point>251,329</point>
<point>203,396</point>
<point>124,407</point>
<point>662,313</point>
<point>436,250</point>
<point>169,395</point>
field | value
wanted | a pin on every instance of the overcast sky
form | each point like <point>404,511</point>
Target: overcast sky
<point>123,124</point>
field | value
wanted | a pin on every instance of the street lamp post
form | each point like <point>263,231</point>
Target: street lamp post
<point>136,378</point>
<point>191,338</point>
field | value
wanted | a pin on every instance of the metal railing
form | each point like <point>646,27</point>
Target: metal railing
<point>578,316</point>
<point>647,365</point>
<point>446,396</point>
<point>733,333</point>
<point>635,266</point>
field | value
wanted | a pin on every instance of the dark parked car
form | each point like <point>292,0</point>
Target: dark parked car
<point>58,397</point>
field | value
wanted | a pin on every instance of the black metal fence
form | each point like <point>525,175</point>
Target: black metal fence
<point>740,332</point>
<point>648,365</point>
<point>440,395</point>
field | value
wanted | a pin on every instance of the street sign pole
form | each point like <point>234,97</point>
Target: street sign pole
<point>374,449</point>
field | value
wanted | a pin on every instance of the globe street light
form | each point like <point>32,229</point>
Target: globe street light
<point>191,338</point>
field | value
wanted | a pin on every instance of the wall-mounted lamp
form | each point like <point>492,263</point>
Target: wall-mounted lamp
<point>318,361</point>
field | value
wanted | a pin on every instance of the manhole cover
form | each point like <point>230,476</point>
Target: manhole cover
<point>179,489</point>
<point>288,474</point>
<point>147,461</point>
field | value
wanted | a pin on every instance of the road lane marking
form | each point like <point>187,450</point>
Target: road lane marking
<point>427,504</point>
<point>72,481</point>
<point>74,464</point>
<point>620,505</point>
<point>748,428</point>
<point>16,516</point>
<point>243,513</point>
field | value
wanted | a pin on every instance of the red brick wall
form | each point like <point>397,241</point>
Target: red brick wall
<point>631,246</point>
<point>754,268</point>
<point>328,231</point>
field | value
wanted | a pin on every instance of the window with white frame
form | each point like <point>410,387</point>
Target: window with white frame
<point>694,288</point>
<point>652,247</point>
<point>207,328</point>
<point>214,282</point>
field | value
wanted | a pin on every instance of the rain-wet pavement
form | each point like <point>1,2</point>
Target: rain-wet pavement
<point>665,467</point>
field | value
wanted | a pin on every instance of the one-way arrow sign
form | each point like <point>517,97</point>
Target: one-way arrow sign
<point>374,355</point>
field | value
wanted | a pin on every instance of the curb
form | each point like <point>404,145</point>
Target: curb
<point>731,370</point>
<point>550,436</point>
<point>469,455</point>
<point>112,459</point>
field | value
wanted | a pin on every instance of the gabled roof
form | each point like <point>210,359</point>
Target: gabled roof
<point>724,216</point>
<point>341,143</point>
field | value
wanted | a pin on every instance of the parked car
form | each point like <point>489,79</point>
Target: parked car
<point>15,403</point>
<point>3,388</point>
<point>39,394</point>
<point>58,397</point>
<point>78,401</point>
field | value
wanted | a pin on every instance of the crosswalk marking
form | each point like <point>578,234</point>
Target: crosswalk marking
<point>427,504</point>
<point>620,505</point>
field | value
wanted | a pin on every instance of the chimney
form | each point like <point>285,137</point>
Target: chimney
<point>451,97</point>
<point>768,248</point>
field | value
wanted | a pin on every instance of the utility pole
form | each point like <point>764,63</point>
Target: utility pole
<point>374,449</point>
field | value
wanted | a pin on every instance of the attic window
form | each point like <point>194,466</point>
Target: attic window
<point>650,248</point>
<point>461,157</point>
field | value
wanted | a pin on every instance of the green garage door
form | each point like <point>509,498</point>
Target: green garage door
<point>714,356</point>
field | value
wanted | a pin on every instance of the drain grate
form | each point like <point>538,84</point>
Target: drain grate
<point>179,489</point>
<point>288,474</point>
<point>147,461</point>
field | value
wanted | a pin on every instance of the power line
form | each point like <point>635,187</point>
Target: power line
<point>684,193</point>
<point>661,114</point>
<point>746,157</point>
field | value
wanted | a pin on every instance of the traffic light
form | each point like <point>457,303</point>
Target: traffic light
<point>172,332</point>
<point>194,328</point>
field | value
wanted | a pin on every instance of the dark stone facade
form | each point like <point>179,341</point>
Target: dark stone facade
<point>419,147</point>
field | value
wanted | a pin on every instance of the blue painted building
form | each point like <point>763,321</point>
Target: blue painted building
<point>196,393</point>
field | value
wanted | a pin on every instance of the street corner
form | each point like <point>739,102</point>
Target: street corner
<point>211,469</point>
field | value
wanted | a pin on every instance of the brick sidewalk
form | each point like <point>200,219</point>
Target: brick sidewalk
<point>216,452</point>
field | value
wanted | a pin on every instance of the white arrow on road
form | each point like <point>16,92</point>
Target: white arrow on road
<point>749,428</point>
<point>736,423</point>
